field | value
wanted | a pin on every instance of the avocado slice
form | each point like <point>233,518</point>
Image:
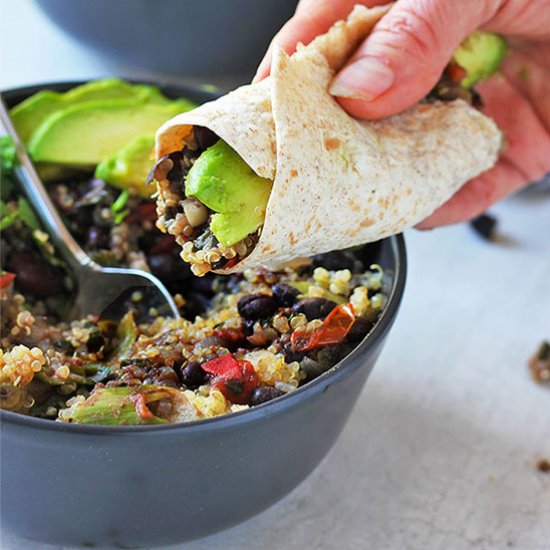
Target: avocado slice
<point>28,115</point>
<point>480,55</point>
<point>222,180</point>
<point>84,134</point>
<point>129,167</point>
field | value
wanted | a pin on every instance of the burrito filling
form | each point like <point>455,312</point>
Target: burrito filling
<point>211,201</point>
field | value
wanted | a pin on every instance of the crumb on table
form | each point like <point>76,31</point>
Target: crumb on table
<point>539,364</point>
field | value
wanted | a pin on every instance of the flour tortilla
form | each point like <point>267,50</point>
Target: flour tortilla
<point>337,181</point>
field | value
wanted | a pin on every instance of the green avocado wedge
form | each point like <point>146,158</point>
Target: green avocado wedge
<point>221,180</point>
<point>480,55</point>
<point>129,167</point>
<point>28,115</point>
<point>83,135</point>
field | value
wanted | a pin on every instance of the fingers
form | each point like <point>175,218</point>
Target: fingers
<point>527,142</point>
<point>529,74</point>
<point>526,156</point>
<point>400,62</point>
<point>520,18</point>
<point>312,17</point>
<point>476,196</point>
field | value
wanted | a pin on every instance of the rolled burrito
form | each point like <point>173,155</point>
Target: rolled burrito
<point>277,170</point>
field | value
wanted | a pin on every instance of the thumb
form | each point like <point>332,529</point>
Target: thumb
<point>403,58</point>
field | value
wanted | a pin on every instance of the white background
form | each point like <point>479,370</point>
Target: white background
<point>441,451</point>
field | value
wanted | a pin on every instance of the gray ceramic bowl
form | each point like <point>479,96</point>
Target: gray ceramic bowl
<point>195,38</point>
<point>147,486</point>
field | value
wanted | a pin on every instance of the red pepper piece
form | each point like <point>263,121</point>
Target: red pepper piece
<point>235,379</point>
<point>140,404</point>
<point>6,279</point>
<point>333,330</point>
<point>222,366</point>
<point>455,72</point>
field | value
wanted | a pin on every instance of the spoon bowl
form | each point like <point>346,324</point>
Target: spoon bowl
<point>99,290</point>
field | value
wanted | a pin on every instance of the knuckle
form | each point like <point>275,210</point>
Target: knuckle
<point>412,33</point>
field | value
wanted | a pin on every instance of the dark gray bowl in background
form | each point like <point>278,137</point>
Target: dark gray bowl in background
<point>147,486</point>
<point>191,37</point>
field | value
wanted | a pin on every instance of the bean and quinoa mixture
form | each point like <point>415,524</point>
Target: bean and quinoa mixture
<point>243,339</point>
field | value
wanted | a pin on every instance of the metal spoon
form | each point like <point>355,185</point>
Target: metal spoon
<point>99,289</point>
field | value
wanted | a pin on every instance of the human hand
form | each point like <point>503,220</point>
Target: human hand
<point>403,58</point>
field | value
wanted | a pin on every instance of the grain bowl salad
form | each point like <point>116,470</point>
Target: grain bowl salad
<point>243,339</point>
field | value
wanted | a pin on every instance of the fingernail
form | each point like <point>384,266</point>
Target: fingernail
<point>367,78</point>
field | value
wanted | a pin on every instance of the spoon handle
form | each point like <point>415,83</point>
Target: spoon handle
<point>29,179</point>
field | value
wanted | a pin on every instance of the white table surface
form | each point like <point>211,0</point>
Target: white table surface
<point>441,450</point>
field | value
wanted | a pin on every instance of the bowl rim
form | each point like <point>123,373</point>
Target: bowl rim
<point>270,408</point>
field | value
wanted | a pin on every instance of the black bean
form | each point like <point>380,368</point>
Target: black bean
<point>314,308</point>
<point>64,345</point>
<point>289,354</point>
<point>263,394</point>
<point>204,137</point>
<point>359,329</point>
<point>192,375</point>
<point>484,226</point>
<point>83,217</point>
<point>368,254</point>
<point>166,267</point>
<point>170,212</point>
<point>98,237</point>
<point>95,342</point>
<point>176,175</point>
<point>220,264</point>
<point>335,260</point>
<point>256,306</point>
<point>285,295</point>
<point>195,304</point>
<point>203,284</point>
<point>34,274</point>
